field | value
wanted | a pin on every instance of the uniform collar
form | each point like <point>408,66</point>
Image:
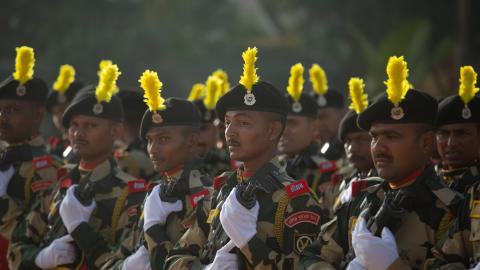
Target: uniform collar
<point>175,171</point>
<point>407,180</point>
<point>267,185</point>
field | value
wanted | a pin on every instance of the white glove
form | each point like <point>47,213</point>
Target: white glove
<point>73,212</point>
<point>355,265</point>
<point>238,222</point>
<point>156,211</point>
<point>374,253</point>
<point>224,260</point>
<point>60,252</point>
<point>138,260</point>
<point>5,177</point>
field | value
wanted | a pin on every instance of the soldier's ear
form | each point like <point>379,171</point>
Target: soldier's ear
<point>117,129</point>
<point>276,130</point>
<point>427,142</point>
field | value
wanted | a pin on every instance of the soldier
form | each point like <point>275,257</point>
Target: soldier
<point>95,203</point>
<point>26,169</point>
<point>260,217</point>
<point>458,143</point>
<point>63,91</point>
<point>132,157</point>
<point>357,146</point>
<point>412,208</point>
<point>171,130</point>
<point>304,160</point>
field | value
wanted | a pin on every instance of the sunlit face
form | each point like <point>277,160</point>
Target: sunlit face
<point>357,150</point>
<point>57,115</point>
<point>19,120</point>
<point>298,134</point>
<point>458,144</point>
<point>329,118</point>
<point>208,138</point>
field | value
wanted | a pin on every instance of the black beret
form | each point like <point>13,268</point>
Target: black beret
<point>306,106</point>
<point>35,90</point>
<point>131,99</point>
<point>452,110</point>
<point>348,125</point>
<point>267,98</point>
<point>331,99</point>
<point>207,116</point>
<point>54,97</point>
<point>178,112</point>
<point>85,103</point>
<point>416,107</point>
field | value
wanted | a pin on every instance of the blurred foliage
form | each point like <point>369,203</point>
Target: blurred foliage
<point>186,40</point>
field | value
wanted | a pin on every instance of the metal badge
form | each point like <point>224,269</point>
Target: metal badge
<point>397,113</point>
<point>321,100</point>
<point>296,107</point>
<point>157,118</point>
<point>466,113</point>
<point>21,90</point>
<point>61,98</point>
<point>249,99</point>
<point>97,108</point>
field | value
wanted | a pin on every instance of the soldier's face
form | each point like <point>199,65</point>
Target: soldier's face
<point>208,138</point>
<point>19,120</point>
<point>298,134</point>
<point>57,115</point>
<point>329,119</point>
<point>357,149</point>
<point>399,149</point>
<point>170,146</point>
<point>250,134</point>
<point>458,144</point>
<point>92,138</point>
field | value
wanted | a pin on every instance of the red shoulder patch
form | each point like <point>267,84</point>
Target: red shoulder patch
<point>358,187</point>
<point>61,172</point>
<point>66,183</point>
<point>327,166</point>
<point>42,162</point>
<point>138,185</point>
<point>219,181</point>
<point>40,185</point>
<point>297,188</point>
<point>334,178</point>
<point>53,141</point>
<point>302,217</point>
<point>132,210</point>
<point>195,198</point>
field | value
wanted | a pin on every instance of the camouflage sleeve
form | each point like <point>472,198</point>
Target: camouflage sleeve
<point>10,213</point>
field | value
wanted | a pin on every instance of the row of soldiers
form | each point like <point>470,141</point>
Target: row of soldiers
<point>242,177</point>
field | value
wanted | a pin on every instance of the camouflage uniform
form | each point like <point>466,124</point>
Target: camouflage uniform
<point>135,161</point>
<point>57,145</point>
<point>349,176</point>
<point>319,174</point>
<point>429,210</point>
<point>117,196</point>
<point>288,220</point>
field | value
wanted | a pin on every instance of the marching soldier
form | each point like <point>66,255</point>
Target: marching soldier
<point>298,143</point>
<point>403,217</point>
<point>95,204</point>
<point>171,130</point>
<point>260,217</point>
<point>63,91</point>
<point>26,168</point>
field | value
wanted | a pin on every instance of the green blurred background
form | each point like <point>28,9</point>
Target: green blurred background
<point>186,40</point>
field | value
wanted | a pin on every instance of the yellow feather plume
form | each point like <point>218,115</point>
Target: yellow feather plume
<point>65,78</point>
<point>295,82</point>
<point>103,64</point>
<point>468,80</point>
<point>222,75</point>
<point>214,85</point>
<point>397,84</point>
<point>357,94</point>
<point>24,63</point>
<point>107,85</point>
<point>152,86</point>
<point>318,78</point>
<point>197,92</point>
<point>249,77</point>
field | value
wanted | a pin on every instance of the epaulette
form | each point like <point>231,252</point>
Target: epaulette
<point>42,162</point>
<point>369,185</point>
<point>219,181</point>
<point>138,185</point>
<point>297,188</point>
<point>327,166</point>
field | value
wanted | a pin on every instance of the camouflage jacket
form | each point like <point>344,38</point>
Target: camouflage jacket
<point>217,161</point>
<point>349,175</point>
<point>117,196</point>
<point>135,161</point>
<point>320,175</point>
<point>30,186</point>
<point>459,180</point>
<point>428,210</point>
<point>288,220</point>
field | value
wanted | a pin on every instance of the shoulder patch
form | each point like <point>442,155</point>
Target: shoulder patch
<point>302,217</point>
<point>301,241</point>
<point>138,185</point>
<point>42,162</point>
<point>334,178</point>
<point>219,181</point>
<point>40,185</point>
<point>66,183</point>
<point>195,198</point>
<point>327,166</point>
<point>61,173</point>
<point>297,188</point>
<point>358,187</point>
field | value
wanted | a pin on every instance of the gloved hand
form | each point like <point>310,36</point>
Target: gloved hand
<point>374,253</point>
<point>5,177</point>
<point>139,260</point>
<point>355,265</point>
<point>60,252</point>
<point>238,222</point>
<point>156,211</point>
<point>224,260</point>
<point>73,212</point>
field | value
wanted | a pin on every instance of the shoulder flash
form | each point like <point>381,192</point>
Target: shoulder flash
<point>297,188</point>
<point>138,185</point>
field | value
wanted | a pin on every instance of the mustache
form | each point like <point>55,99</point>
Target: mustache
<point>382,156</point>
<point>233,142</point>
<point>356,157</point>
<point>79,141</point>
